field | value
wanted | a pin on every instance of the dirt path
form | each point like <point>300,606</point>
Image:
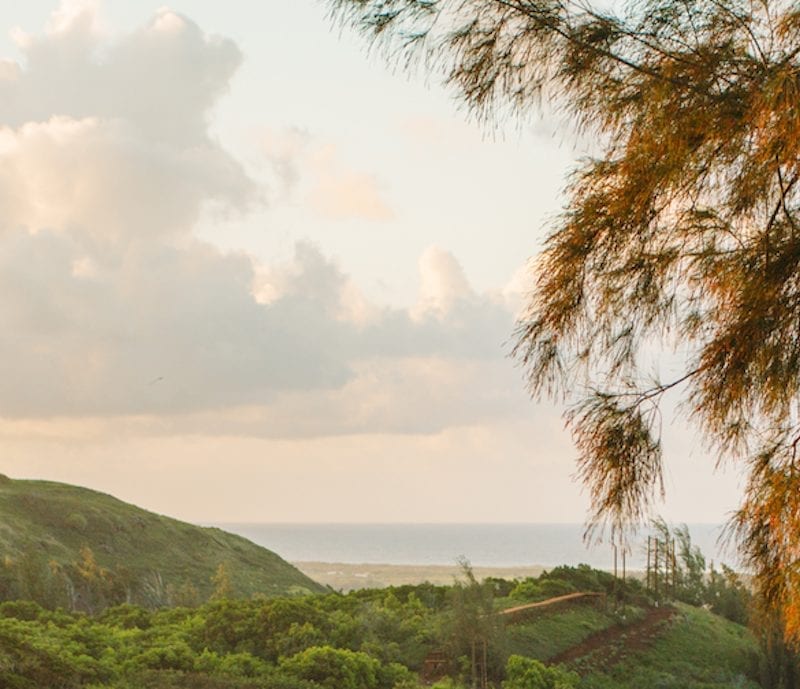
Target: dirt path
<point>608,647</point>
<point>521,613</point>
<point>568,598</point>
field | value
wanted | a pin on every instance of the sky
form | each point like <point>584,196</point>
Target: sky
<point>248,272</point>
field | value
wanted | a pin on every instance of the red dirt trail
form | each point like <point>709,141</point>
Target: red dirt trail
<point>606,648</point>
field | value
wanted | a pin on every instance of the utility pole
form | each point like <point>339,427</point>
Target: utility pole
<point>616,580</point>
<point>623,566</point>
<point>674,569</point>
<point>655,567</point>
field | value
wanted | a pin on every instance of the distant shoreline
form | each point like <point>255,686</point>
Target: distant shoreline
<point>347,576</point>
<point>437,548</point>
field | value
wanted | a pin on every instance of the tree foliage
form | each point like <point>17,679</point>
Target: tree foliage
<point>681,234</point>
<point>528,673</point>
<point>473,634</point>
<point>368,639</point>
<point>283,643</point>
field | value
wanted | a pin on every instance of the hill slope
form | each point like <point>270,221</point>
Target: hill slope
<point>672,647</point>
<point>55,521</point>
<point>683,647</point>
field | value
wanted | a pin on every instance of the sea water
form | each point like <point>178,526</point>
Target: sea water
<point>482,545</point>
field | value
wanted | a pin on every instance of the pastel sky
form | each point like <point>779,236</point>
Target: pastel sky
<point>249,273</point>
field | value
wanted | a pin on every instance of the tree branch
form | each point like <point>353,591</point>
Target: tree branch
<point>641,69</point>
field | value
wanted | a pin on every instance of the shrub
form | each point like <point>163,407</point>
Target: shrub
<point>527,673</point>
<point>551,588</point>
<point>333,668</point>
<point>175,655</point>
<point>527,589</point>
<point>26,610</point>
<point>127,616</point>
<point>76,521</point>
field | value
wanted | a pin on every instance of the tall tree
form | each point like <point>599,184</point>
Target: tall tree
<point>682,233</point>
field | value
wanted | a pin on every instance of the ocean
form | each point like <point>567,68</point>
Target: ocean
<point>483,545</point>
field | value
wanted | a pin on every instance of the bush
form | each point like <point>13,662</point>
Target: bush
<point>395,675</point>
<point>582,578</point>
<point>552,588</point>
<point>30,659</point>
<point>527,673</point>
<point>172,679</point>
<point>76,521</point>
<point>334,668</point>
<point>126,616</point>
<point>26,610</point>
<point>527,589</point>
<point>175,655</point>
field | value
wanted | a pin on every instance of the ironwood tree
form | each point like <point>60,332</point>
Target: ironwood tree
<point>680,234</point>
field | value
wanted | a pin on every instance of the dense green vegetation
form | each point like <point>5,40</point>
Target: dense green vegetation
<point>347,642</point>
<point>74,548</point>
<point>369,639</point>
<point>102,595</point>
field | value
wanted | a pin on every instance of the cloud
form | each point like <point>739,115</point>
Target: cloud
<point>328,185</point>
<point>111,308</point>
<point>109,137</point>
<point>442,284</point>
<point>74,344</point>
<point>516,292</point>
<point>339,193</point>
<point>103,179</point>
<point>162,79</point>
<point>80,338</point>
<point>428,132</point>
<point>285,151</point>
<point>384,395</point>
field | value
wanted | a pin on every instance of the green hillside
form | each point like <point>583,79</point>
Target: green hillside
<point>674,646</point>
<point>153,556</point>
<point>694,650</point>
<point>408,637</point>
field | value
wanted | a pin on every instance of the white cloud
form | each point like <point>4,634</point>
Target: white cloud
<point>80,337</point>
<point>309,273</point>
<point>167,21</point>
<point>84,14</point>
<point>442,284</point>
<point>400,395</point>
<point>516,291</point>
<point>285,151</point>
<point>161,82</point>
<point>103,179</point>
<point>319,173</point>
<point>111,308</point>
<point>341,194</point>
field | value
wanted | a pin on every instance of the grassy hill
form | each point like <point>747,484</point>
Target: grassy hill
<point>673,647</point>
<point>695,650</point>
<point>54,521</point>
<point>555,631</point>
<point>380,639</point>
